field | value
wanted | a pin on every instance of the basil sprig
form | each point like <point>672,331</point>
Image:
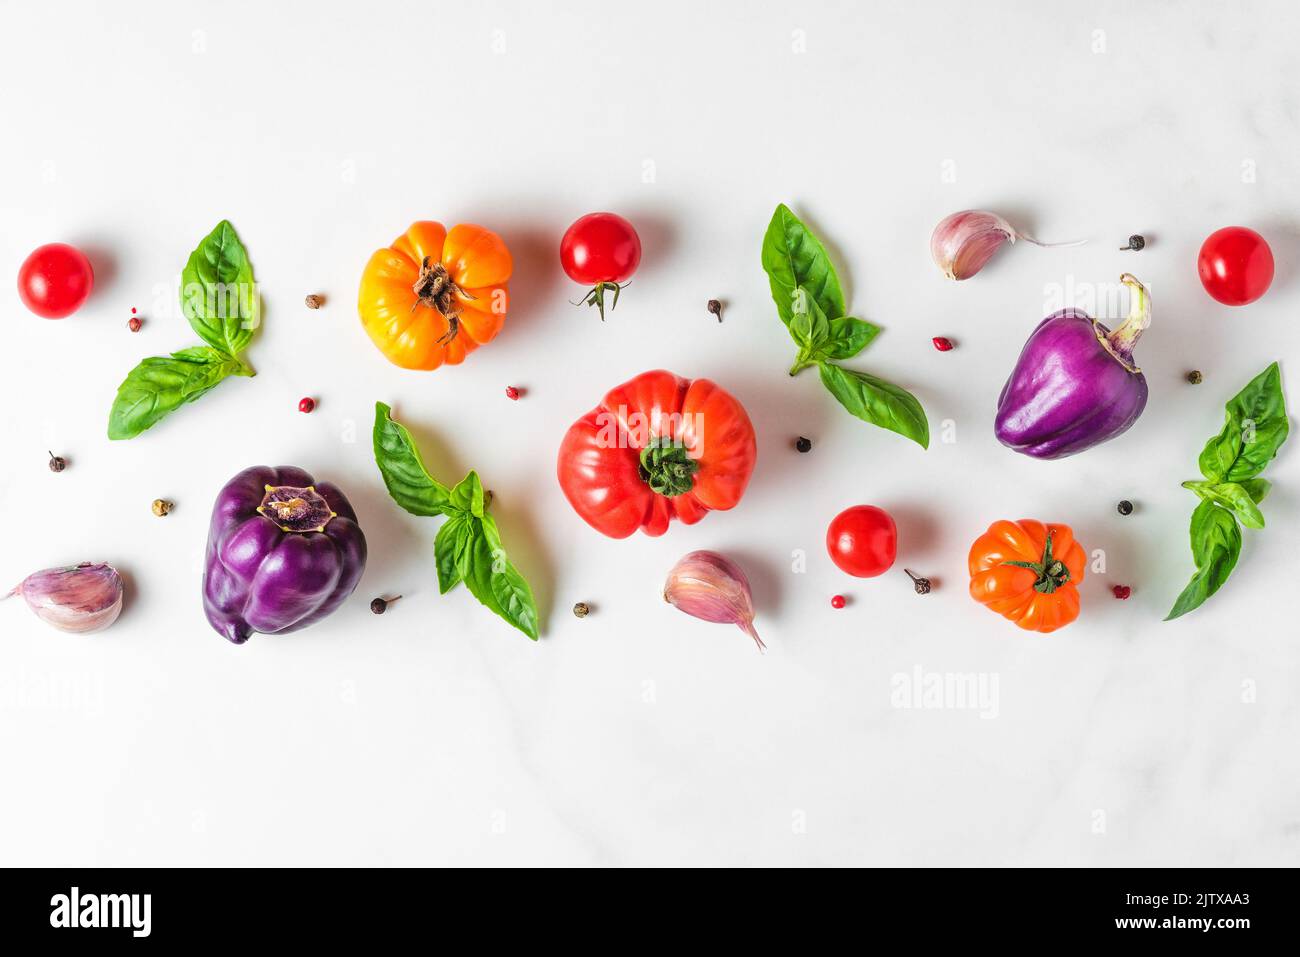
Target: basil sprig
<point>219,298</point>
<point>1254,429</point>
<point>468,546</point>
<point>810,302</point>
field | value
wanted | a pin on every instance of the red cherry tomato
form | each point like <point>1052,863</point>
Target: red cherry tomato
<point>55,280</point>
<point>600,247</point>
<point>862,541</point>
<point>1236,265</point>
<point>601,250</point>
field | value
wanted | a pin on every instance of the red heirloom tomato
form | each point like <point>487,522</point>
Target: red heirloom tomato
<point>863,541</point>
<point>601,250</point>
<point>657,448</point>
<point>55,280</point>
<point>1236,265</point>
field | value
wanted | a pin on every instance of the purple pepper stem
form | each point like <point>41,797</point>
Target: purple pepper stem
<point>296,509</point>
<point>1121,342</point>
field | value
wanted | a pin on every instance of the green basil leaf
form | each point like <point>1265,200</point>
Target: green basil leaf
<point>448,550</point>
<point>218,294</point>
<point>1233,497</point>
<point>160,385</point>
<point>1254,429</point>
<point>468,495</point>
<point>794,257</point>
<point>476,563</point>
<point>408,481</point>
<point>511,590</point>
<point>846,337</point>
<point>1216,544</point>
<point>1257,489</point>
<point>878,402</point>
<point>495,582</point>
<point>809,327</point>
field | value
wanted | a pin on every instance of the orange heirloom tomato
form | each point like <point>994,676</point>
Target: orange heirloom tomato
<point>1028,572</point>
<point>435,295</point>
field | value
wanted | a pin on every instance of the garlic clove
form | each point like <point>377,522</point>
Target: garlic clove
<point>963,242</point>
<point>78,599</point>
<point>711,587</point>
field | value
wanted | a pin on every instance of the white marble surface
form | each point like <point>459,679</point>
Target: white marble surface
<point>637,736</point>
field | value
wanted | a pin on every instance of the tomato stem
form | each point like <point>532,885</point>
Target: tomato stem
<point>436,289</point>
<point>667,467</point>
<point>596,297</point>
<point>1051,572</point>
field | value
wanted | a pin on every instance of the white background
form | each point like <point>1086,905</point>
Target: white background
<point>438,735</point>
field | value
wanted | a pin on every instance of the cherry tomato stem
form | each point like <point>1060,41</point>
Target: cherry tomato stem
<point>596,297</point>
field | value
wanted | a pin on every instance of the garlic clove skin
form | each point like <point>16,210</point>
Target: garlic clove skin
<point>963,242</point>
<point>711,587</point>
<point>78,599</point>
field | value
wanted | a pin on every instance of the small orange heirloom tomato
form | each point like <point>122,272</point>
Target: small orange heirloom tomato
<point>1028,572</point>
<point>435,295</point>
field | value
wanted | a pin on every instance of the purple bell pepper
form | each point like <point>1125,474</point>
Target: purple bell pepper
<point>1075,384</point>
<point>284,551</point>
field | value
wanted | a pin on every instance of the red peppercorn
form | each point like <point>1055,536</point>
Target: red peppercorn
<point>942,343</point>
<point>307,405</point>
<point>1122,591</point>
<point>837,601</point>
<point>134,323</point>
<point>512,393</point>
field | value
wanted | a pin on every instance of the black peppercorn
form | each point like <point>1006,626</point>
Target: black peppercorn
<point>1125,507</point>
<point>1135,242</point>
<point>803,444</point>
<point>380,605</point>
<point>57,463</point>
<point>1194,377</point>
